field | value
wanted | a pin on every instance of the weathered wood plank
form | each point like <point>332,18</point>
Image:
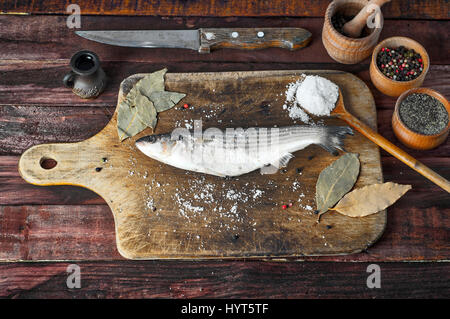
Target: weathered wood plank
<point>44,72</point>
<point>38,38</point>
<point>402,9</point>
<point>225,279</point>
<point>15,191</point>
<point>174,231</point>
<point>57,232</point>
<point>40,84</point>
<point>418,225</point>
<point>24,126</point>
<point>417,229</point>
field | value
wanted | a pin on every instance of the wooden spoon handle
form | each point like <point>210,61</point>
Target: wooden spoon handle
<point>396,152</point>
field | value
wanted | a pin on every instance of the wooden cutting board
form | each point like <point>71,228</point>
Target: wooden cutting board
<point>164,212</point>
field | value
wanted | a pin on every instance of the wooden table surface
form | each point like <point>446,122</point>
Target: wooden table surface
<point>45,229</point>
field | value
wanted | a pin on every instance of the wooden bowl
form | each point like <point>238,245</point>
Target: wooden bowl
<point>345,49</point>
<point>391,87</point>
<point>415,140</point>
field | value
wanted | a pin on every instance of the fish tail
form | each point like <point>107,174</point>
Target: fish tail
<point>333,138</point>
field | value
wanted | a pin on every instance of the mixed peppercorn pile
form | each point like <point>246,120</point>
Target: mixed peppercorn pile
<point>400,64</point>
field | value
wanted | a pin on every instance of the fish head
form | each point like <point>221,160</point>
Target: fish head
<point>156,146</point>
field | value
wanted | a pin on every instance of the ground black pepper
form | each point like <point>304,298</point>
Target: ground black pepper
<point>423,114</point>
<point>400,64</point>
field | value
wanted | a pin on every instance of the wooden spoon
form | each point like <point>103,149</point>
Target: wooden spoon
<point>354,27</point>
<point>340,112</point>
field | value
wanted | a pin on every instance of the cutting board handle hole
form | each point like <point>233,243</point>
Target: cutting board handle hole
<point>47,163</point>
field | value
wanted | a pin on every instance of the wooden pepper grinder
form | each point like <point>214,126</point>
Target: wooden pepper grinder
<point>354,27</point>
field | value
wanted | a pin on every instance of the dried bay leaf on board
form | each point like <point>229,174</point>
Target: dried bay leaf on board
<point>134,115</point>
<point>336,180</point>
<point>146,111</point>
<point>128,123</point>
<point>152,86</point>
<point>165,100</point>
<point>153,82</point>
<point>370,199</point>
<point>140,108</point>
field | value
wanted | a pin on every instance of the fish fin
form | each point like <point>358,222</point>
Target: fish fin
<point>333,140</point>
<point>282,161</point>
<point>274,166</point>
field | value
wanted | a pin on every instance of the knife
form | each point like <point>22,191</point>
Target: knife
<point>204,40</point>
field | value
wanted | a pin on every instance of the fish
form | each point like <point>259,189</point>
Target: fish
<point>237,151</point>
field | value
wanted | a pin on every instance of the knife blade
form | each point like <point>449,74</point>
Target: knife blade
<point>204,40</point>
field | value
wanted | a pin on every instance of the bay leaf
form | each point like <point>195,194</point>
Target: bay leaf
<point>164,100</point>
<point>370,199</point>
<point>153,82</point>
<point>128,123</point>
<point>146,111</point>
<point>143,102</point>
<point>131,96</point>
<point>336,180</point>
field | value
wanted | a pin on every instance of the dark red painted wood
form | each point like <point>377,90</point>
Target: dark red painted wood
<point>224,279</point>
<point>25,126</point>
<point>40,38</point>
<point>418,225</point>
<point>15,191</point>
<point>412,9</point>
<point>64,222</point>
<point>52,232</point>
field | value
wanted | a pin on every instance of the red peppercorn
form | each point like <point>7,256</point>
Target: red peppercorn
<point>284,206</point>
<point>186,106</point>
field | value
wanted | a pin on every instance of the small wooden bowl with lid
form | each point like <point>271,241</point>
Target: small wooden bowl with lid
<point>413,139</point>
<point>392,87</point>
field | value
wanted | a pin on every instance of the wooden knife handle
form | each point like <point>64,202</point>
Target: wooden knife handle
<point>253,38</point>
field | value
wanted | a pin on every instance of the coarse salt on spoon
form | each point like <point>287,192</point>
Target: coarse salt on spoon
<point>341,112</point>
